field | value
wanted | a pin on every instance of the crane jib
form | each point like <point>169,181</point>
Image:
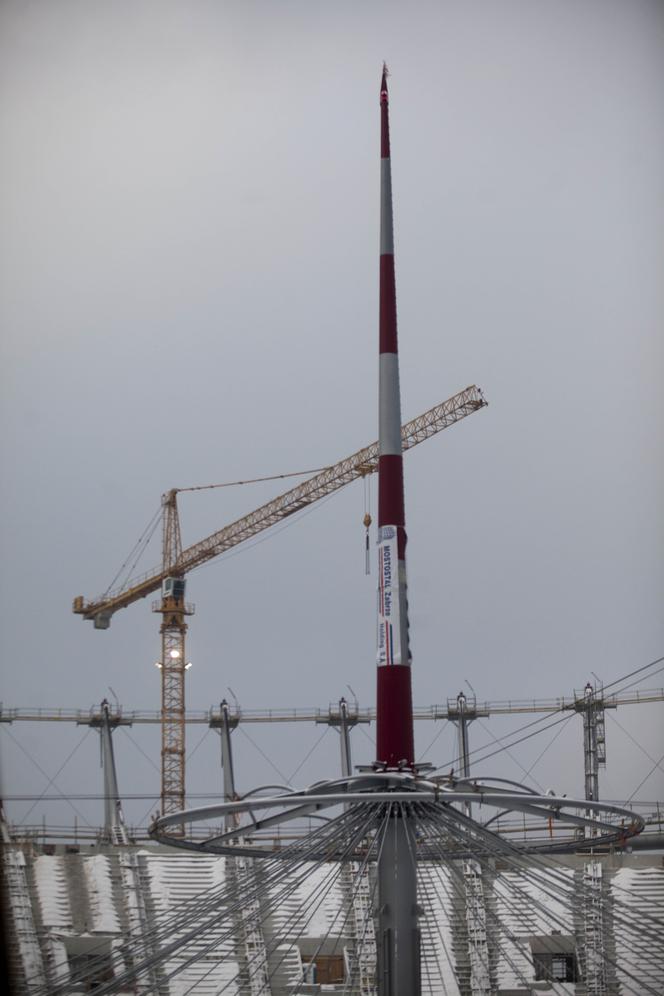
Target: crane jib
<point>361,463</point>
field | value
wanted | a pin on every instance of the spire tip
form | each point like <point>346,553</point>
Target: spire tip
<point>383,82</point>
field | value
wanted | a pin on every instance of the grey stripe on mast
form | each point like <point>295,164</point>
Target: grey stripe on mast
<point>389,407</point>
<point>386,230</point>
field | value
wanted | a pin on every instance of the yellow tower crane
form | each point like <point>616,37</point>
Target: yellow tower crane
<point>177,563</point>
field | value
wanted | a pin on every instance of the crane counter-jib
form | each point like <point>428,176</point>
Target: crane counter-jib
<point>361,463</point>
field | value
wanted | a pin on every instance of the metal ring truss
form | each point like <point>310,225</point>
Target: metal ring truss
<point>520,818</point>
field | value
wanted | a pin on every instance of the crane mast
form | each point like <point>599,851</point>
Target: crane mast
<point>173,662</point>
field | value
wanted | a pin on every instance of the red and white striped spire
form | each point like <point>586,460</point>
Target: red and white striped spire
<point>394,745</point>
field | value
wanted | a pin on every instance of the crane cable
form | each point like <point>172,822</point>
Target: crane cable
<point>140,545</point>
<point>631,674</point>
<point>252,480</point>
<point>50,781</point>
<point>366,478</point>
<point>143,540</point>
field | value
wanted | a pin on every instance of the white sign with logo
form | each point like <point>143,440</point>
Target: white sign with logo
<point>389,632</point>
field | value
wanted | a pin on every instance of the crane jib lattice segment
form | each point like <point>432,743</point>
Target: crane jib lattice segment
<point>364,462</point>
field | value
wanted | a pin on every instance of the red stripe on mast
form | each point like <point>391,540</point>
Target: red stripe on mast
<point>388,304</point>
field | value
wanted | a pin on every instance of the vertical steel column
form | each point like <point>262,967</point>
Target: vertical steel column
<point>398,934</point>
<point>398,940</point>
<point>114,829</point>
<point>590,766</point>
<point>254,973</point>
<point>344,738</point>
<point>462,732</point>
<point>226,725</point>
<point>462,729</point>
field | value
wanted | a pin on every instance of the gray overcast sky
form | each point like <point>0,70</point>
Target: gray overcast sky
<point>189,293</point>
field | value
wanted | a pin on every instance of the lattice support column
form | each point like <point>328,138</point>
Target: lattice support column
<point>25,960</point>
<point>478,946</point>
<point>135,887</point>
<point>356,884</point>
<point>252,948</point>
<point>593,930</point>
